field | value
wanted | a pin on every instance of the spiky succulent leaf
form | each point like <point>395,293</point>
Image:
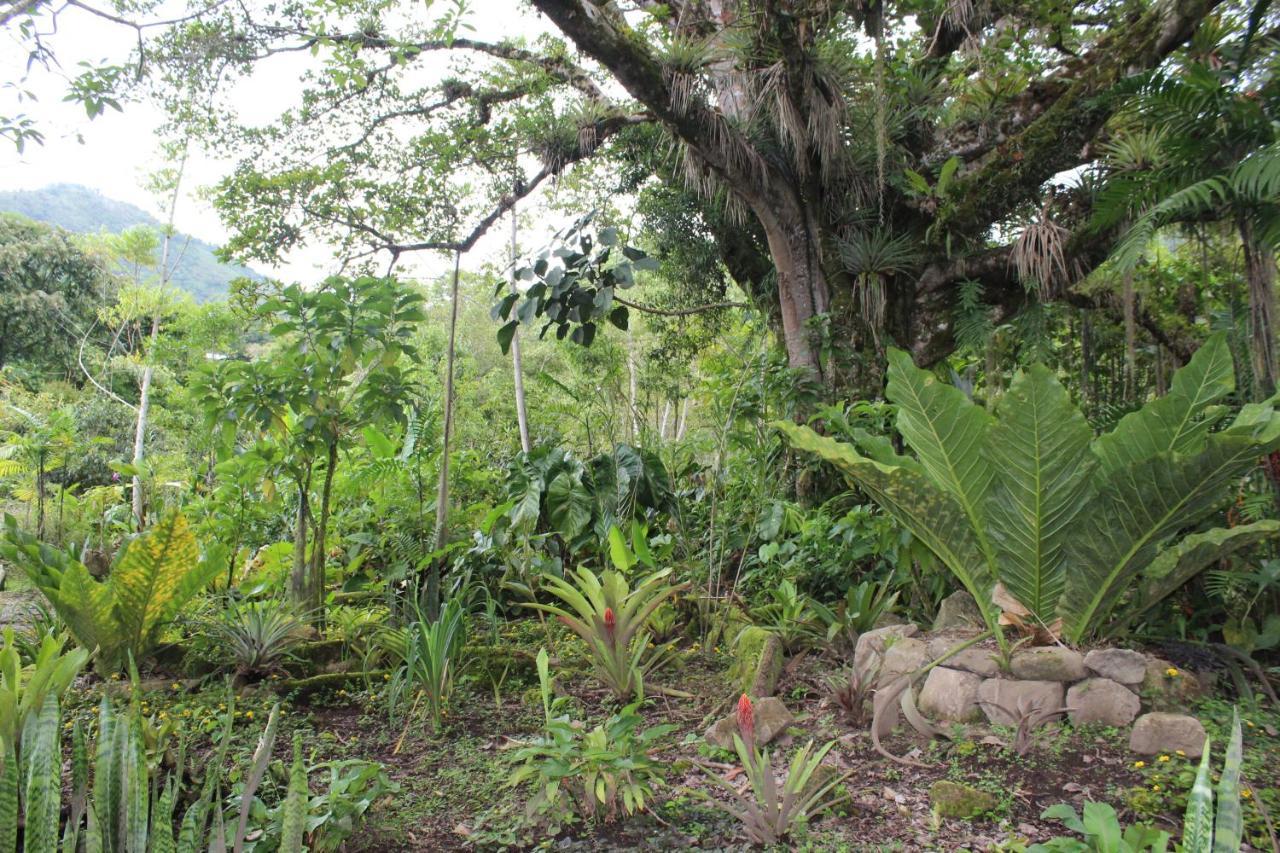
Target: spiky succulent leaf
<point>42,748</point>
<point>1197,826</point>
<point>8,799</point>
<point>295,803</point>
<point>1039,450</point>
<point>1228,825</point>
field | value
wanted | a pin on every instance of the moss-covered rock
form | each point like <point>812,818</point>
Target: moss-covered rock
<point>757,662</point>
<point>957,800</point>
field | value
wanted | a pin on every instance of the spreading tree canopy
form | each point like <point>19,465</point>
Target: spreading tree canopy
<point>856,166</point>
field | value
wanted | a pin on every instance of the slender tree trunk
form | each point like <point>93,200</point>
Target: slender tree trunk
<point>662,422</point>
<point>517,363</point>
<point>40,497</point>
<point>631,389</point>
<point>318,547</point>
<point>442,488</point>
<point>140,430</point>
<point>1260,273</point>
<point>1086,359</point>
<point>298,578</point>
<point>682,420</point>
<point>802,288</point>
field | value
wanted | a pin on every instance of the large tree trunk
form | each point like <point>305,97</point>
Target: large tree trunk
<point>1260,273</point>
<point>802,287</point>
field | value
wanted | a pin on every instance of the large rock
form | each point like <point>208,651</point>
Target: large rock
<point>957,800</point>
<point>871,645</point>
<point>958,610</point>
<point>1120,665</point>
<point>1002,698</point>
<point>757,662</point>
<point>1169,686</point>
<point>1103,702</point>
<point>771,717</point>
<point>1159,732</point>
<point>1048,663</point>
<point>975,659</point>
<point>950,695</point>
<point>903,656</point>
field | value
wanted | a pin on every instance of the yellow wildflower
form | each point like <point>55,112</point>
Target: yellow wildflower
<point>248,715</point>
<point>1172,672</point>
<point>1139,764</point>
<point>1180,753</point>
<point>1246,793</point>
<point>1155,787</point>
<point>1249,723</point>
<point>1164,758</point>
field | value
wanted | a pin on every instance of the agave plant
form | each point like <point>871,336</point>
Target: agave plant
<point>155,574</point>
<point>611,617</point>
<point>1074,535</point>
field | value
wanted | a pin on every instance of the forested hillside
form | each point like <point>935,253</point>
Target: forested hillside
<point>84,211</point>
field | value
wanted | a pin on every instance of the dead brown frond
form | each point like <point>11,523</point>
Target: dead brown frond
<point>1039,254</point>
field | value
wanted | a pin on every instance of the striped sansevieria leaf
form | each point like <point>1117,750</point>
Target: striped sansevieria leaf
<point>42,746</point>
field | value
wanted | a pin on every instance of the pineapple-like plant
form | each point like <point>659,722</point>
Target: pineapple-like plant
<point>1046,525</point>
<point>155,574</point>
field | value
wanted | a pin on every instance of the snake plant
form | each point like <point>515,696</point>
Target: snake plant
<point>1072,534</point>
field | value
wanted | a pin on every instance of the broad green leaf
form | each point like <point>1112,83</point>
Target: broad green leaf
<point>149,579</point>
<point>1136,508</point>
<point>933,515</point>
<point>568,505</point>
<point>1176,565</point>
<point>1178,421</point>
<point>1039,448</point>
<point>948,432</point>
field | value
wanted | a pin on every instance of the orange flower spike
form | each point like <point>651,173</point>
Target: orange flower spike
<point>610,621</point>
<point>746,719</point>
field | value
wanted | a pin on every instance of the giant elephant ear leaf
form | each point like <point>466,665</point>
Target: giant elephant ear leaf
<point>1039,450</point>
<point>948,432</point>
<point>1179,421</point>
<point>905,491</point>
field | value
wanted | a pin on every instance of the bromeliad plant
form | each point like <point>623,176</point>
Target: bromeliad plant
<point>155,574</point>
<point>770,811</point>
<point>611,618</point>
<point>587,774</point>
<point>1076,536</point>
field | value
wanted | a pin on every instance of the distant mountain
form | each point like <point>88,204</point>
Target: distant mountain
<point>80,209</point>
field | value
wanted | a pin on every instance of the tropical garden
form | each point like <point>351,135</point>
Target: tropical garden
<point>798,425</point>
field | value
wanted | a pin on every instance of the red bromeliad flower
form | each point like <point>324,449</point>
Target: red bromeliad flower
<point>746,719</point>
<point>609,621</point>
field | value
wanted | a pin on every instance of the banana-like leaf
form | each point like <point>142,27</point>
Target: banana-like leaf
<point>1135,510</point>
<point>1176,565</point>
<point>948,432</point>
<point>933,515</point>
<point>1039,448</point>
<point>1179,421</point>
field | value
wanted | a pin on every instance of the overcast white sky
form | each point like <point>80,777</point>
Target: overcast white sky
<point>114,153</point>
